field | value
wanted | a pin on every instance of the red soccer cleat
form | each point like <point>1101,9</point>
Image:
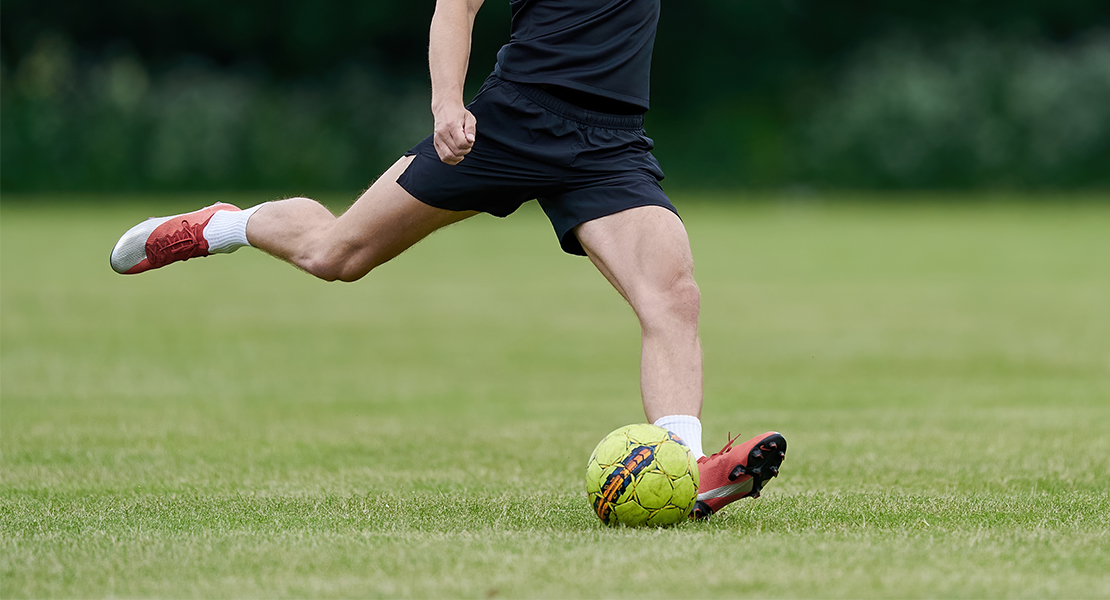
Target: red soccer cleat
<point>740,472</point>
<point>159,241</point>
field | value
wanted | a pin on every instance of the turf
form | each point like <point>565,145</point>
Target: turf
<point>230,427</point>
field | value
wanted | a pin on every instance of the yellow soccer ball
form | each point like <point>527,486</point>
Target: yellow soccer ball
<point>642,475</point>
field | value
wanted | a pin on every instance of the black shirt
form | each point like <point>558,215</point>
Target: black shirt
<point>600,47</point>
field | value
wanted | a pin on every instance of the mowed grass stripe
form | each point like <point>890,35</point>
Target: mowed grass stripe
<point>230,427</point>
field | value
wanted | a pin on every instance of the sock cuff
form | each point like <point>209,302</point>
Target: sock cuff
<point>227,230</point>
<point>677,419</point>
<point>687,427</point>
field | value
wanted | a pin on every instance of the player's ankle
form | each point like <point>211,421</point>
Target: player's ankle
<point>227,230</point>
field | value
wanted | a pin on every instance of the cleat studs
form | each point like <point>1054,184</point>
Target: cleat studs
<point>737,472</point>
<point>774,471</point>
<point>757,454</point>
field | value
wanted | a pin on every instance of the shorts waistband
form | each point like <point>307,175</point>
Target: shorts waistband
<point>576,113</point>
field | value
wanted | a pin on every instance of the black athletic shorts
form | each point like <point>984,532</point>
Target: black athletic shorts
<point>581,165</point>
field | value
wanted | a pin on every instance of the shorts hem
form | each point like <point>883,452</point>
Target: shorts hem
<point>404,183</point>
<point>568,240</point>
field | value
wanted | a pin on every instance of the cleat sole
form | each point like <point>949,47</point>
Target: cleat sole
<point>763,463</point>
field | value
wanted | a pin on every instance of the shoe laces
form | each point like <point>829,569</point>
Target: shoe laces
<point>182,244</point>
<point>727,447</point>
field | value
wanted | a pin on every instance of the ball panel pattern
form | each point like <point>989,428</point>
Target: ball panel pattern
<point>668,515</point>
<point>641,475</point>
<point>673,459</point>
<point>611,449</point>
<point>654,490</point>
<point>685,487</point>
<point>646,434</point>
<point>632,514</point>
<point>593,478</point>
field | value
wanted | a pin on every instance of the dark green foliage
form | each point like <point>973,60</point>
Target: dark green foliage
<point>203,95</point>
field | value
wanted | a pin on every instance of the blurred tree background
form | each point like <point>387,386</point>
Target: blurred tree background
<point>299,95</point>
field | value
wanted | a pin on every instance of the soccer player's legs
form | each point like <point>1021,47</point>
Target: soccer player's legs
<point>382,223</point>
<point>417,195</point>
<point>645,253</point>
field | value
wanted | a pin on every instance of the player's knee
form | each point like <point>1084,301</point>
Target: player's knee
<point>330,270</point>
<point>349,273</point>
<point>677,304</point>
<point>319,266</point>
<point>685,299</point>
<point>335,262</point>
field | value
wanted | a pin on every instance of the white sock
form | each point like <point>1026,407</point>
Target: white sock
<point>227,230</point>
<point>686,427</point>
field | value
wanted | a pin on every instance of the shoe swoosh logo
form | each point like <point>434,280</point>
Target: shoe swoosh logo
<point>727,490</point>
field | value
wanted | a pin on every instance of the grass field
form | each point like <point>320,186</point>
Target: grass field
<point>233,428</point>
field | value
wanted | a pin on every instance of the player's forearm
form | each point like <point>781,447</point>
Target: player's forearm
<point>449,49</point>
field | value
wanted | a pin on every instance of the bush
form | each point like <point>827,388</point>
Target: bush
<point>978,111</point>
<point>111,124</point>
<point>972,112</point>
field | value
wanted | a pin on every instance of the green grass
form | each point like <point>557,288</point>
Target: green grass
<point>233,428</point>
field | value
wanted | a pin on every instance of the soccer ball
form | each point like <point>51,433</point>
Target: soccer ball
<point>642,475</point>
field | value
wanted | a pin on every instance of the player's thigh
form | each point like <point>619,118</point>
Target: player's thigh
<point>386,219</point>
<point>641,251</point>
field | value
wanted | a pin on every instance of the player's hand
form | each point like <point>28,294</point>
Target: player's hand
<point>455,130</point>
